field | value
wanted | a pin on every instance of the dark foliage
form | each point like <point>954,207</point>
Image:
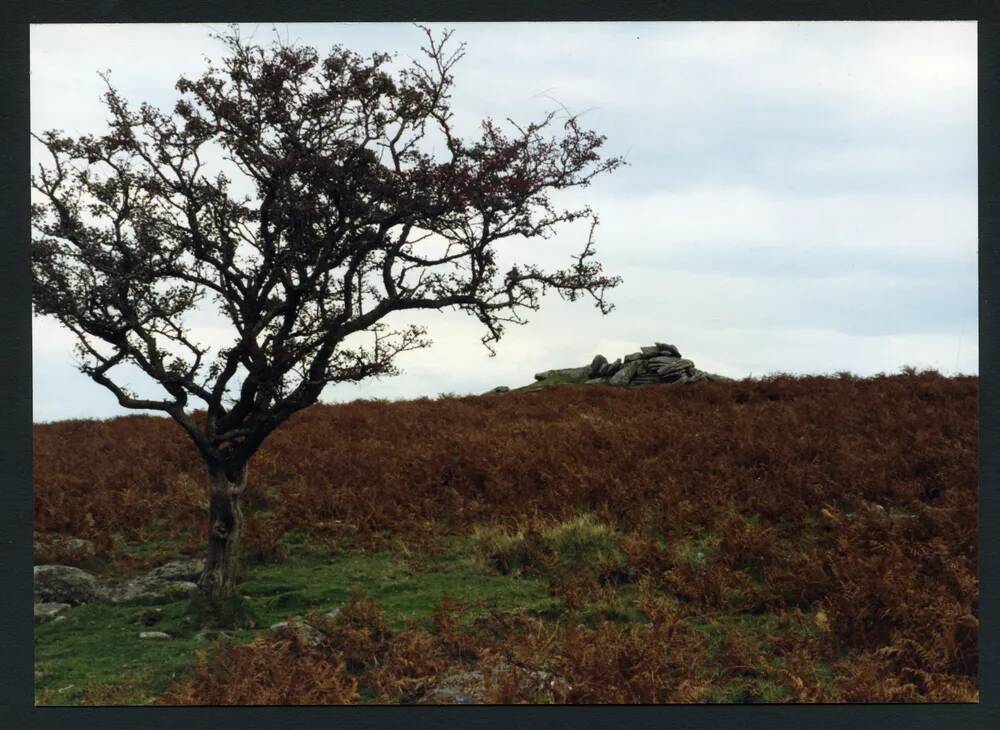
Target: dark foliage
<point>350,220</point>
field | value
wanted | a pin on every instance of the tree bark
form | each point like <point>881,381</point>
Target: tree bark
<point>217,585</point>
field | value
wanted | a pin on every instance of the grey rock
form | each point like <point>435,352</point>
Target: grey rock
<point>596,365</point>
<point>677,366</point>
<point>153,635</point>
<point>659,360</point>
<point>571,374</point>
<point>212,635</point>
<point>579,374</point>
<point>682,363</point>
<point>309,634</point>
<point>48,611</point>
<point>658,363</point>
<point>611,368</point>
<point>668,349</point>
<point>65,584</point>
<point>147,590</point>
<point>625,374</point>
<point>670,378</point>
<point>648,376</point>
<point>179,570</point>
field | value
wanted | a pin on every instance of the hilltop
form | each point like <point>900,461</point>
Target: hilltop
<point>783,539</point>
<point>659,363</point>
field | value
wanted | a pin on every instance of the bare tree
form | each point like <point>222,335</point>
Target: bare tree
<point>351,219</point>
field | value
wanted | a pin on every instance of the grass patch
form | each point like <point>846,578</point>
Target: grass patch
<point>308,582</point>
<point>96,651</point>
<point>582,545</point>
<point>99,645</point>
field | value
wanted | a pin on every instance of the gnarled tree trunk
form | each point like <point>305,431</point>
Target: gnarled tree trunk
<point>217,595</point>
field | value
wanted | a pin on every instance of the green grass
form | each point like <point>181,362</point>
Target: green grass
<point>584,543</point>
<point>551,380</point>
<point>580,545</point>
<point>99,645</point>
<point>403,592</point>
<point>95,654</point>
<point>757,686</point>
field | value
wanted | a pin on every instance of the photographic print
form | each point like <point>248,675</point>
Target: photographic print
<point>505,363</point>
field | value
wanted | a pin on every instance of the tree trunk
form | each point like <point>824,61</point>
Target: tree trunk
<point>217,585</point>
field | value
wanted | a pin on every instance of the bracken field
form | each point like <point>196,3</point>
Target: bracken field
<point>786,539</point>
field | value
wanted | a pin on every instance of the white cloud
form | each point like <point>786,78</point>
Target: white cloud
<point>660,226</point>
<point>800,196</point>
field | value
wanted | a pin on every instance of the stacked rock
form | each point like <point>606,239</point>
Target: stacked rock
<point>657,363</point>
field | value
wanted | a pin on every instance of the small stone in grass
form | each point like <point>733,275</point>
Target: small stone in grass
<point>153,635</point>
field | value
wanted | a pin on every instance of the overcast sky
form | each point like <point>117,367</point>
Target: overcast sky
<point>800,197</point>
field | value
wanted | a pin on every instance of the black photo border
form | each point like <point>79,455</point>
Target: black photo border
<point>16,691</point>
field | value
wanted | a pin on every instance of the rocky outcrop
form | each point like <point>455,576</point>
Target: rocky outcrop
<point>58,585</point>
<point>181,570</point>
<point>147,589</point>
<point>598,366</point>
<point>169,582</point>
<point>66,584</point>
<point>656,363</point>
<point>565,374</point>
